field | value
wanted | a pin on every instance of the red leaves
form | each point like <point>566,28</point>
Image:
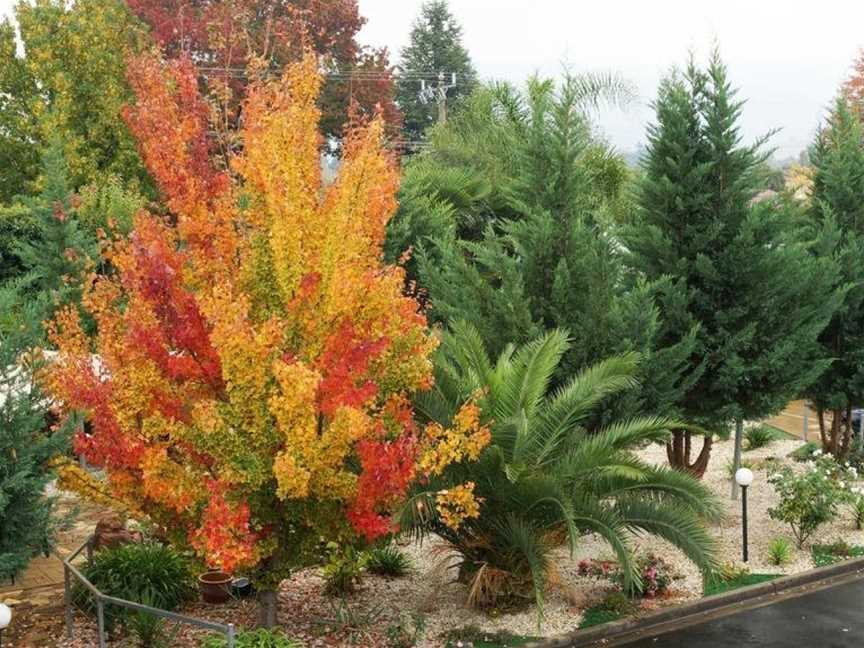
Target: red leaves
<point>105,444</point>
<point>224,535</point>
<point>156,274</point>
<point>344,365</point>
<point>170,121</point>
<point>388,467</point>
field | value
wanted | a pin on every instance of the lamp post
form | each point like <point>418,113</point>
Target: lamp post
<point>744,477</point>
<point>5,619</point>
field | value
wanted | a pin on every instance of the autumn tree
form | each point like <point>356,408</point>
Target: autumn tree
<point>67,83</point>
<point>226,35</point>
<point>854,86</point>
<point>249,387</point>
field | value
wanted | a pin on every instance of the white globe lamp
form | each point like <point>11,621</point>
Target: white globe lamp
<point>5,619</point>
<point>744,477</point>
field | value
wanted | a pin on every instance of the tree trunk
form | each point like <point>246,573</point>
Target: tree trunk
<point>822,433</point>
<point>267,609</point>
<point>736,461</point>
<point>835,433</point>
<point>678,452</point>
<point>847,433</point>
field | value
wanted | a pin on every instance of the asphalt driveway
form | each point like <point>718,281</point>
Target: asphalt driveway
<point>830,618</point>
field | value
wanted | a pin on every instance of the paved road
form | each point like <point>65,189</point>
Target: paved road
<point>831,618</point>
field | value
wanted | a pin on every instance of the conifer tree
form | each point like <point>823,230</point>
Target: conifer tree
<point>57,257</point>
<point>27,443</point>
<point>838,199</point>
<point>526,250</point>
<point>741,270</point>
<point>435,46</point>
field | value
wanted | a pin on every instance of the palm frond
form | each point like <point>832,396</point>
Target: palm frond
<point>674,523</point>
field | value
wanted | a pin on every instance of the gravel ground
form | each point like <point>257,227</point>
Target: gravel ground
<point>305,610</point>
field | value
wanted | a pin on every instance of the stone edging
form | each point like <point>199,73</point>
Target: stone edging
<point>681,614</point>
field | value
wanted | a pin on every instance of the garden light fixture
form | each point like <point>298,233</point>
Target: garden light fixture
<point>5,619</point>
<point>744,477</point>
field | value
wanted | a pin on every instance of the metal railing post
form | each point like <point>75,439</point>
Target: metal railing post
<point>100,621</point>
<point>67,599</point>
<point>71,575</point>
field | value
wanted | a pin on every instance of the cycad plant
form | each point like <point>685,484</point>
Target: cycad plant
<point>545,479</point>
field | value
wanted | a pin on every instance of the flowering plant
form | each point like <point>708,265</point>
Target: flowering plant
<point>812,497</point>
<point>656,574</point>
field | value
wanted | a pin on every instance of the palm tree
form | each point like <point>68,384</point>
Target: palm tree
<point>544,478</point>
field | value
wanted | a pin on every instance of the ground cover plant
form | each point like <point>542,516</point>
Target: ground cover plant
<point>828,554</point>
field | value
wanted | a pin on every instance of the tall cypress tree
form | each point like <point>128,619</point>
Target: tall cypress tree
<point>435,47</point>
<point>741,270</point>
<point>27,442</point>
<point>838,199</point>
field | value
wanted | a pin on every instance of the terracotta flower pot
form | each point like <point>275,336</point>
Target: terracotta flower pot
<point>215,586</point>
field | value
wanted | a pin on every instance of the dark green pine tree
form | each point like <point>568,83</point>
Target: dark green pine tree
<point>838,200</point>
<point>435,47</point>
<point>58,256</point>
<point>27,443</point>
<point>544,258</point>
<point>759,289</point>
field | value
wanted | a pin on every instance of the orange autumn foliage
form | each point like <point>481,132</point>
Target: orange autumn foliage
<point>254,360</point>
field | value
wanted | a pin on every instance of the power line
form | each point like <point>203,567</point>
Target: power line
<point>360,75</point>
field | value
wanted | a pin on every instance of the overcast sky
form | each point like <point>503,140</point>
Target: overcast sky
<point>787,57</point>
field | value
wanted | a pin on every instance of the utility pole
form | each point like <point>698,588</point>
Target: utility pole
<point>439,93</point>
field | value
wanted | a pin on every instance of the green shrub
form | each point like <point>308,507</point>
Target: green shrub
<point>261,638</point>
<point>148,573</point>
<point>812,497</point>
<point>388,560</point>
<point>779,551</point>
<point>762,436</point>
<point>343,570</point>
<point>805,452</point>
<point>838,551</point>
<point>143,572</point>
<point>615,606</point>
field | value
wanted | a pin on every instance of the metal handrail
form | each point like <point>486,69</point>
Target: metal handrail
<point>69,570</point>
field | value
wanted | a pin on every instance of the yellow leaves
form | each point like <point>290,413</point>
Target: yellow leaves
<point>71,477</point>
<point>457,504</point>
<point>465,440</point>
<point>281,162</point>
<point>312,462</point>
<point>168,482</point>
<point>246,353</point>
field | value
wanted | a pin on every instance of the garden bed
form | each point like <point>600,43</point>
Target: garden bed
<point>364,617</point>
